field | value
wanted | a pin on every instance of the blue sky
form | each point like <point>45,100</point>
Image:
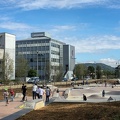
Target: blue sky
<point>92,26</point>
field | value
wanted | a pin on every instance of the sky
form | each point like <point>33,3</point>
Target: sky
<point>92,26</point>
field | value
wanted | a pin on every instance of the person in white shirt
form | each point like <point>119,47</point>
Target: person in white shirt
<point>41,93</point>
<point>37,92</point>
<point>34,91</point>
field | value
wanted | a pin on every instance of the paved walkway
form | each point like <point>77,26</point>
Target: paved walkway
<point>12,111</point>
<point>11,108</point>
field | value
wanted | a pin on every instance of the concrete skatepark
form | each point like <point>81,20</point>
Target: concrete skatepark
<point>73,94</point>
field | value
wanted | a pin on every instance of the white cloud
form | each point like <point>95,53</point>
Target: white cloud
<point>21,30</point>
<point>63,28</point>
<point>14,26</point>
<point>109,61</point>
<point>38,4</point>
<point>94,44</point>
<point>4,18</point>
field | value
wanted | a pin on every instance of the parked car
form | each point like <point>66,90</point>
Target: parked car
<point>74,79</point>
<point>33,80</point>
<point>65,79</point>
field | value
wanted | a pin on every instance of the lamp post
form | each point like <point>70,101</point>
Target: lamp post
<point>37,63</point>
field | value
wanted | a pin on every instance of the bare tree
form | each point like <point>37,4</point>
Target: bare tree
<point>7,67</point>
<point>22,67</point>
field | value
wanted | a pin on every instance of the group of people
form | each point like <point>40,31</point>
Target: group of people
<point>37,92</point>
<point>6,94</point>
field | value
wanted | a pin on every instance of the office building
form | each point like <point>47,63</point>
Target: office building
<point>69,60</point>
<point>7,49</point>
<point>46,55</point>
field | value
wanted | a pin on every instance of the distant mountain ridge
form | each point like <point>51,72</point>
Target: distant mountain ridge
<point>103,66</point>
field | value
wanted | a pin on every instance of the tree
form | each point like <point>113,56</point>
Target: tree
<point>47,71</point>
<point>59,73</point>
<point>22,67</point>
<point>80,71</point>
<point>98,72</point>
<point>32,73</point>
<point>7,67</point>
<point>91,71</point>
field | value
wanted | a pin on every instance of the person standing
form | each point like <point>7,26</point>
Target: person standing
<point>24,93</point>
<point>37,92</point>
<point>47,91</point>
<point>34,91</point>
<point>84,97</point>
<point>12,95</point>
<point>22,87</point>
<point>5,94</point>
<point>41,92</point>
<point>103,93</point>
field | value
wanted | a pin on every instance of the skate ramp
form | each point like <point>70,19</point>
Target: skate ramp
<point>113,93</point>
<point>92,94</point>
<point>33,104</point>
<point>77,94</point>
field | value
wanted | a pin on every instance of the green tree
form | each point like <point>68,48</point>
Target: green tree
<point>59,73</point>
<point>98,72</point>
<point>32,73</point>
<point>80,71</point>
<point>91,71</point>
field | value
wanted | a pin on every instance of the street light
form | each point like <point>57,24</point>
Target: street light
<point>37,63</point>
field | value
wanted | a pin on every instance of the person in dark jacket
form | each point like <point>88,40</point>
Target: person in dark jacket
<point>103,93</point>
<point>84,97</point>
<point>24,90</point>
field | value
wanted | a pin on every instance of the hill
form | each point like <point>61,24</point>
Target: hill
<point>103,66</point>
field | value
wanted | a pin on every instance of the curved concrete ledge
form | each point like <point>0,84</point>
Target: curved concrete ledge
<point>33,104</point>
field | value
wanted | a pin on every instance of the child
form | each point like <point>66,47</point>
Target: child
<point>5,94</point>
<point>12,94</point>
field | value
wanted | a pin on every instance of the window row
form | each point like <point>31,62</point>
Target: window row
<point>55,45</point>
<point>40,48</point>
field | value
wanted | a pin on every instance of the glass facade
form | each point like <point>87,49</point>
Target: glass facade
<point>42,53</point>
